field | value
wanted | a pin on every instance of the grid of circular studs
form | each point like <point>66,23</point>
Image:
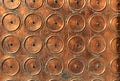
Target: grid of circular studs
<point>55,23</point>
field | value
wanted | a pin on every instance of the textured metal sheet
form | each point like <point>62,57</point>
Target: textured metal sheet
<point>59,40</point>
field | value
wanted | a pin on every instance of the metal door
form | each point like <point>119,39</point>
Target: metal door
<point>59,40</point>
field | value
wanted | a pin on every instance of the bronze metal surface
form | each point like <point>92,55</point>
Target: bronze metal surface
<point>59,40</point>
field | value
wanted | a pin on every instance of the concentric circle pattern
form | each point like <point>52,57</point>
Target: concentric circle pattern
<point>10,44</point>
<point>10,66</point>
<point>11,21</point>
<point>33,44</point>
<point>54,66</point>
<point>32,66</point>
<point>33,22</point>
<point>59,40</point>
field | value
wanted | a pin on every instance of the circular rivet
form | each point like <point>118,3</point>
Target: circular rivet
<point>115,24</point>
<point>114,65</point>
<point>55,4</point>
<point>76,66</point>
<point>97,44</point>
<point>97,66</point>
<point>10,66</point>
<point>54,66</point>
<point>54,79</point>
<point>10,44</point>
<point>116,79</point>
<point>33,44</point>
<point>55,22</point>
<point>115,5</point>
<point>55,44</point>
<point>32,66</point>
<point>76,79</point>
<point>97,79</point>
<point>97,23</point>
<point>76,4</point>
<point>11,22</point>
<point>11,4</point>
<point>33,22</point>
<point>76,22</point>
<point>115,45</point>
<point>76,44</point>
<point>97,5</point>
<point>34,4</point>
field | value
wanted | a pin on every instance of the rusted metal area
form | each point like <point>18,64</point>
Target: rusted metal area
<point>59,40</point>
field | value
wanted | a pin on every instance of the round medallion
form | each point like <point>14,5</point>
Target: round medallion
<point>97,66</point>
<point>55,22</point>
<point>55,44</point>
<point>114,65</point>
<point>76,66</point>
<point>115,45</point>
<point>97,44</point>
<point>11,21</point>
<point>55,4</point>
<point>76,44</point>
<point>97,5</point>
<point>76,79</point>
<point>10,66</point>
<point>11,4</point>
<point>76,4</point>
<point>76,23</point>
<point>33,44</point>
<point>115,24</point>
<point>115,5</point>
<point>97,79</point>
<point>10,44</point>
<point>34,4</point>
<point>33,22</point>
<point>32,66</point>
<point>54,66</point>
<point>97,23</point>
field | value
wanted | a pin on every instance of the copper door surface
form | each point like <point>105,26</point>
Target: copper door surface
<point>59,40</point>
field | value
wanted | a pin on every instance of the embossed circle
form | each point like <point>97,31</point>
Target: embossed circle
<point>97,23</point>
<point>55,44</point>
<point>115,5</point>
<point>97,5</point>
<point>97,66</point>
<point>97,45</point>
<point>114,24</point>
<point>55,22</point>
<point>114,45</point>
<point>97,79</point>
<point>34,4</point>
<point>11,21</point>
<point>55,79</point>
<point>76,66</point>
<point>114,65</point>
<point>33,80</point>
<point>76,79</point>
<point>76,4</point>
<point>116,79</point>
<point>55,4</point>
<point>76,44</point>
<point>32,66</point>
<point>54,66</point>
<point>76,22</point>
<point>10,80</point>
<point>10,44</point>
<point>33,22</point>
<point>33,44</point>
<point>10,66</point>
<point>11,4</point>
